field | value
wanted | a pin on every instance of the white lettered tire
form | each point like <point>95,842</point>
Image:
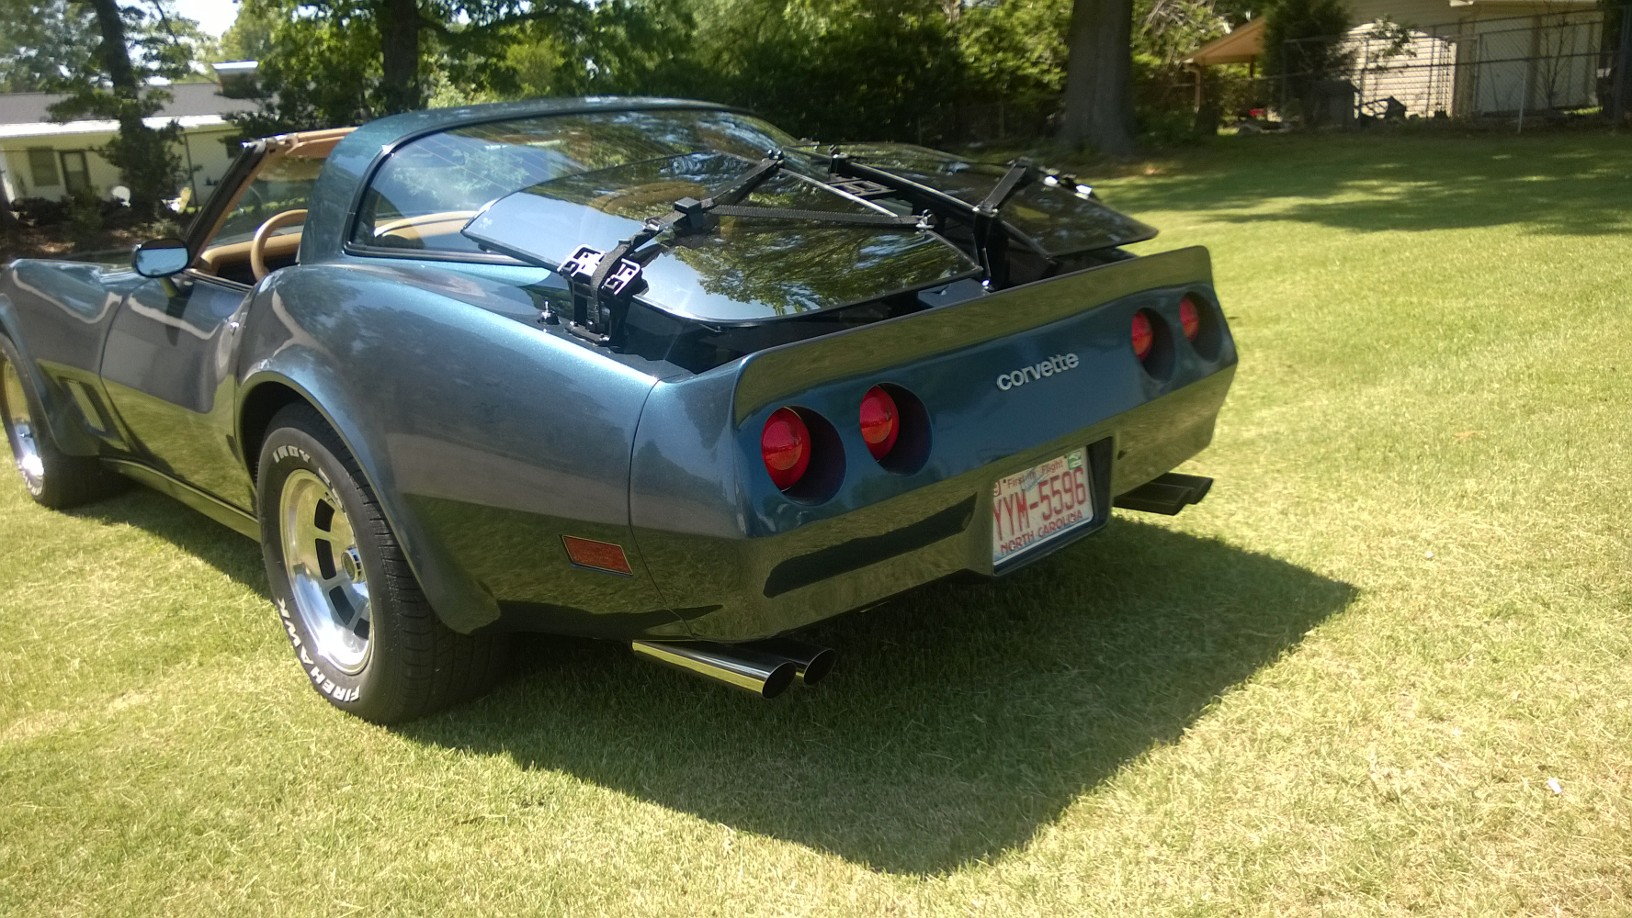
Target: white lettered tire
<point>361,628</point>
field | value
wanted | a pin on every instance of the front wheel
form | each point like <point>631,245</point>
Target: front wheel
<point>53,478</point>
<point>354,613</point>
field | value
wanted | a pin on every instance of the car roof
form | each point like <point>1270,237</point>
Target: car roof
<point>354,158</point>
<point>395,129</point>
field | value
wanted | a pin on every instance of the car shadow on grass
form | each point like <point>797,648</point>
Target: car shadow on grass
<point>962,718</point>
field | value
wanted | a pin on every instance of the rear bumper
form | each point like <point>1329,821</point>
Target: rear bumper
<point>743,588</point>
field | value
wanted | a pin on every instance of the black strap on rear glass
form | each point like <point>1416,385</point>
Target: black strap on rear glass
<point>1021,173</point>
<point>687,215</point>
<point>821,216</point>
<point>989,230</point>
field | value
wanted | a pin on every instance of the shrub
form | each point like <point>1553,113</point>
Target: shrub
<point>85,218</point>
<point>41,212</point>
<point>1306,45</point>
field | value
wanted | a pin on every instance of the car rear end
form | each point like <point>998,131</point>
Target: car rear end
<point>810,479</point>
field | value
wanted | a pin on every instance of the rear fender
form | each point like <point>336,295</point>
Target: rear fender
<point>485,439</point>
<point>306,373</point>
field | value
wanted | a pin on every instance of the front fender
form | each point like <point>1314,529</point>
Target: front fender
<point>56,315</point>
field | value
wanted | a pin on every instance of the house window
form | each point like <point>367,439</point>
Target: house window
<point>76,173</point>
<point>42,167</point>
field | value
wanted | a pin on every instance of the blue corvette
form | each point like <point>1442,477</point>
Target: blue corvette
<point>643,370</point>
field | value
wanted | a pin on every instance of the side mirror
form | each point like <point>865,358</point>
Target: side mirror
<point>161,257</point>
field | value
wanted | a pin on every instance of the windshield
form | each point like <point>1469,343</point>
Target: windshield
<point>427,190</point>
<point>283,184</point>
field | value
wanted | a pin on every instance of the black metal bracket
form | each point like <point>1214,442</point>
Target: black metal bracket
<point>860,188</point>
<point>601,284</point>
<point>694,216</point>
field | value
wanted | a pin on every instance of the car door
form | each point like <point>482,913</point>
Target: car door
<point>169,364</point>
<point>168,370</point>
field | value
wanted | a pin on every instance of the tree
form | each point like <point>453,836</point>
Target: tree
<point>616,46</point>
<point>399,25</point>
<point>1305,45</point>
<point>1618,35</point>
<point>1097,107</point>
<point>342,61</point>
<point>44,43</point>
<point>1015,51</point>
<point>315,71</point>
<point>116,86</point>
<point>837,69</point>
<point>249,38</point>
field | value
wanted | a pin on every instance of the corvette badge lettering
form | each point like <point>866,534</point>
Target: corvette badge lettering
<point>1059,363</point>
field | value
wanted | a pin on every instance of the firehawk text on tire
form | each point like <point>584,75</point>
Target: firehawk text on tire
<point>356,619</point>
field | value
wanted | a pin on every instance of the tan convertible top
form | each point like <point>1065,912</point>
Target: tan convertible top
<point>306,144</point>
<point>299,145</point>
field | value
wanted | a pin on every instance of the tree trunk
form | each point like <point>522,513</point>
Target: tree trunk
<point>399,25</point>
<point>1621,73</point>
<point>115,50</point>
<point>1097,108</point>
<point>138,151</point>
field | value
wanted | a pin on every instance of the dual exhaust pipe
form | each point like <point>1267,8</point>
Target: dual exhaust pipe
<point>1167,495</point>
<point>766,668</point>
<point>769,667</point>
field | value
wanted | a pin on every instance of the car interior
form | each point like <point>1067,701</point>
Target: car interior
<point>248,242</point>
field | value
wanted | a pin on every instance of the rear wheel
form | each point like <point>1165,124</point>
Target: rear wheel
<point>354,613</point>
<point>53,478</point>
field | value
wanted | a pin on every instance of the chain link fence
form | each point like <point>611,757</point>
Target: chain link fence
<point>1515,69</point>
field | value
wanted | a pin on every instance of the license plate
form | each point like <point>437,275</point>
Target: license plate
<point>1041,503</point>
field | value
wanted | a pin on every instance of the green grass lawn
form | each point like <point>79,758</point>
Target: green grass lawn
<point>1385,667</point>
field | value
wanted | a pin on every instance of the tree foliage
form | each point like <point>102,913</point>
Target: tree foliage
<point>902,69</point>
<point>332,62</point>
<point>45,43</point>
<point>106,58</point>
<point>834,68</point>
<point>315,71</point>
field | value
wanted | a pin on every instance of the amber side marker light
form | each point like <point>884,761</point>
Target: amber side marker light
<point>596,555</point>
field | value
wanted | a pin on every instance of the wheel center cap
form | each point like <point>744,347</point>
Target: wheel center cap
<point>351,564</point>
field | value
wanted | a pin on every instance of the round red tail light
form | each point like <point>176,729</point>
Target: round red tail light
<point>785,446</point>
<point>1189,318</point>
<point>880,422</point>
<point>1144,336</point>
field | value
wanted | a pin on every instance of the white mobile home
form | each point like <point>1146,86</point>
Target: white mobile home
<point>41,158</point>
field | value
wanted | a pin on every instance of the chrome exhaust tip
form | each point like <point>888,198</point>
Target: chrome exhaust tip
<point>766,668</point>
<point>741,666</point>
<point>814,662</point>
